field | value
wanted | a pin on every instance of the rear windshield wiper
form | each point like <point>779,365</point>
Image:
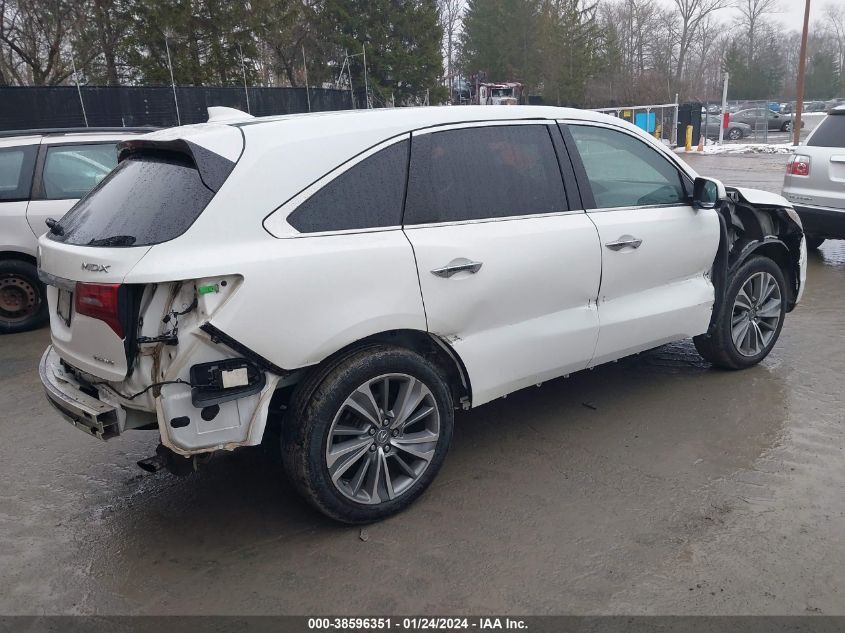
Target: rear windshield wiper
<point>114,240</point>
<point>54,226</point>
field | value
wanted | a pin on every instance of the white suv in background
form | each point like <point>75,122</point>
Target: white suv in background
<point>42,175</point>
<point>363,274</point>
<point>815,180</point>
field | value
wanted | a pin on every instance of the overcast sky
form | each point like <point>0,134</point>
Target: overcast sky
<point>791,13</point>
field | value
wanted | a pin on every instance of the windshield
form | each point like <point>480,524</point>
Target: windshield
<point>146,200</point>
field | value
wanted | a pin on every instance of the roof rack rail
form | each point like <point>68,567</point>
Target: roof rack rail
<point>46,131</point>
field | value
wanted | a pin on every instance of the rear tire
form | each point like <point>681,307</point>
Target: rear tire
<point>786,127</point>
<point>813,243</point>
<point>751,318</point>
<point>735,134</point>
<point>23,298</point>
<point>353,444</point>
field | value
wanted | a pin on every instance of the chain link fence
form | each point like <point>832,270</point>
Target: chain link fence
<point>755,122</point>
<point>659,120</point>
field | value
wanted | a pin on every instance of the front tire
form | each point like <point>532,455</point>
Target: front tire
<point>23,298</point>
<point>751,318</point>
<point>786,127</point>
<point>366,435</point>
<point>735,134</point>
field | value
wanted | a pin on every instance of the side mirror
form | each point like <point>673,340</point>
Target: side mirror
<point>707,193</point>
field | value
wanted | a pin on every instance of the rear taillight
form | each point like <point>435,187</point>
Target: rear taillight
<point>798,165</point>
<point>100,301</point>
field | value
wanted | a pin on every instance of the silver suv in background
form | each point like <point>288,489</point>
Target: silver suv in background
<point>815,180</point>
<point>42,175</point>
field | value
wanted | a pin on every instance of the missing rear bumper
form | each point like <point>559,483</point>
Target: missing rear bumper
<point>86,413</point>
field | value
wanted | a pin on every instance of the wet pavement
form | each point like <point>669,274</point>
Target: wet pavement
<point>758,171</point>
<point>654,485</point>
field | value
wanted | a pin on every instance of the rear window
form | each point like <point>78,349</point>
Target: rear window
<point>16,166</point>
<point>830,133</point>
<point>146,200</point>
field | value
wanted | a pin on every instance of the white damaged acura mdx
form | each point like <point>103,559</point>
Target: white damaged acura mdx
<point>346,280</point>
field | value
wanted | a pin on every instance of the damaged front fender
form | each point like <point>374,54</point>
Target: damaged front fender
<point>759,223</point>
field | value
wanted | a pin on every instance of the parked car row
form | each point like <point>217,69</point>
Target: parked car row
<point>812,106</point>
<point>363,274</point>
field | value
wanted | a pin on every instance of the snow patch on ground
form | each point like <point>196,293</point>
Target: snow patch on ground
<point>743,148</point>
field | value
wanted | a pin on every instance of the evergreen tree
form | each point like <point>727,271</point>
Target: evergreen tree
<point>822,76</point>
<point>402,42</point>
<point>500,40</point>
<point>205,39</point>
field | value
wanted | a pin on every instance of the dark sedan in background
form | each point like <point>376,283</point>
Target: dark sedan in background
<point>762,118</point>
<point>736,129</point>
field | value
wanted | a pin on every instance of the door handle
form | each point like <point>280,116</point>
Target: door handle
<point>622,242</point>
<point>457,266</point>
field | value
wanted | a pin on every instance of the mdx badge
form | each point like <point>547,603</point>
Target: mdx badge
<point>96,268</point>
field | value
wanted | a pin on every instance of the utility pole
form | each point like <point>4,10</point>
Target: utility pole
<point>349,70</point>
<point>243,70</point>
<point>172,82</point>
<point>305,67</point>
<point>366,85</point>
<point>78,89</point>
<point>725,114</point>
<point>802,66</point>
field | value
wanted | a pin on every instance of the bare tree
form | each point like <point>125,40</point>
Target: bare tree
<point>35,31</point>
<point>834,20</point>
<point>691,15</point>
<point>450,16</point>
<point>752,12</point>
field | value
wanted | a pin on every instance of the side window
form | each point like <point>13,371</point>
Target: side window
<point>367,195</point>
<point>625,172</point>
<point>16,165</point>
<point>71,171</point>
<point>483,172</point>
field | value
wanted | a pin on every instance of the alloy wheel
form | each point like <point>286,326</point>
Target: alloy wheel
<point>756,314</point>
<point>382,439</point>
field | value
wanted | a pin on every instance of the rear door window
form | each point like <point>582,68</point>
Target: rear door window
<point>830,133</point>
<point>367,195</point>
<point>16,166</point>
<point>480,173</point>
<point>147,199</point>
<point>71,171</point>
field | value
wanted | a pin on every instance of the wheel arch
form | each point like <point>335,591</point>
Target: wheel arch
<point>783,256</point>
<point>432,347</point>
<point>24,257</point>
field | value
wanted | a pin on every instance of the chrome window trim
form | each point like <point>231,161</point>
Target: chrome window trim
<point>510,218</point>
<point>668,205</point>
<point>473,124</point>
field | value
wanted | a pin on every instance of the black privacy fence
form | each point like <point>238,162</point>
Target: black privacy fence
<point>28,107</point>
